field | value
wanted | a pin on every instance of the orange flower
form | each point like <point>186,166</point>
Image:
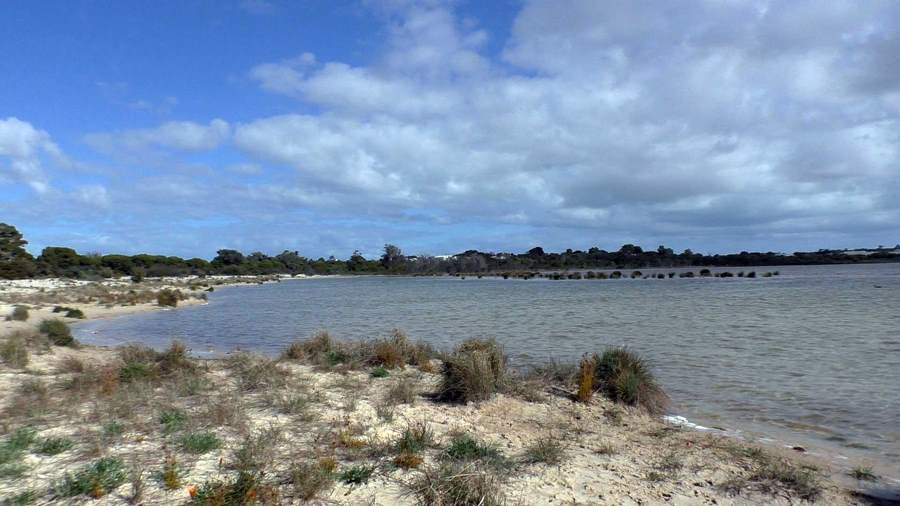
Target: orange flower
<point>192,490</point>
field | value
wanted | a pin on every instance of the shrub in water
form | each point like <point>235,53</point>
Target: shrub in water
<point>58,332</point>
<point>167,297</point>
<point>705,273</point>
<point>625,377</point>
<point>473,372</point>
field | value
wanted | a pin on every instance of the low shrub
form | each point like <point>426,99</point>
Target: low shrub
<point>95,480</point>
<point>172,420</point>
<point>380,372</point>
<point>473,372</point>
<point>545,450</point>
<point>255,373</point>
<point>75,313</point>
<point>54,446</point>
<point>245,489</point>
<point>863,473</point>
<point>168,297</point>
<point>401,392</point>
<point>14,352</point>
<point>199,442</point>
<point>625,377</point>
<point>465,448</point>
<point>357,475</point>
<point>414,439</point>
<point>58,332</point>
<point>458,484</point>
<point>309,479</point>
<point>19,314</point>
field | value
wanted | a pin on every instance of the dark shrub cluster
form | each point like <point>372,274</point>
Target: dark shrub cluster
<point>58,332</point>
<point>168,297</point>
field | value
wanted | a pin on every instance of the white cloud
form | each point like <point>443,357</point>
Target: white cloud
<point>22,150</point>
<point>635,114</point>
<point>173,135</point>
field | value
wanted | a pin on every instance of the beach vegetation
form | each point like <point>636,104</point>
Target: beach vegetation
<point>170,476</point>
<point>623,376</point>
<point>199,442</point>
<point>863,473</point>
<point>474,371</point>
<point>19,314</point>
<point>586,372</point>
<point>95,480</point>
<point>357,475</point>
<point>256,373</point>
<point>309,479</point>
<point>380,372</point>
<point>464,447</point>
<point>74,313</point>
<point>415,438</point>
<point>168,297</point>
<point>14,351</point>
<point>54,446</point>
<point>545,450</point>
<point>58,332</point>
<point>458,484</point>
<point>402,392</point>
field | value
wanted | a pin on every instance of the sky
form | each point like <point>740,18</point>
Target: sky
<point>184,127</point>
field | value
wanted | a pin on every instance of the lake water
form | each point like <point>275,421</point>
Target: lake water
<point>810,357</point>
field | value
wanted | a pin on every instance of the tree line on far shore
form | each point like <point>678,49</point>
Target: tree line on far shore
<point>17,263</point>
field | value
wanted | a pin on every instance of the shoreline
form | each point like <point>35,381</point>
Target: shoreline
<point>93,311</point>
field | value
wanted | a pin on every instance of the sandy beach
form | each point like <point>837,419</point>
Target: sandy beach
<point>291,421</point>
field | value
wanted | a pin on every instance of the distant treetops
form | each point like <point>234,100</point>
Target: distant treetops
<point>17,263</point>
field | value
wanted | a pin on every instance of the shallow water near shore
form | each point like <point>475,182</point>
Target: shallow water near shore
<point>810,357</point>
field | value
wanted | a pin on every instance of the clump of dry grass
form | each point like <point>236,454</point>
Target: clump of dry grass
<point>473,372</point>
<point>19,314</point>
<point>140,363</point>
<point>256,373</point>
<point>14,351</point>
<point>458,484</point>
<point>586,372</point>
<point>623,376</point>
<point>545,450</point>
<point>309,479</point>
<point>168,297</point>
<point>402,392</point>
<point>31,399</point>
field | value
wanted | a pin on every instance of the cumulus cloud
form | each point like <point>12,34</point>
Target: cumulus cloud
<point>694,118</point>
<point>174,135</point>
<point>22,150</point>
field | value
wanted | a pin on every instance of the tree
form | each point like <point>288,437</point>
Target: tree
<point>228,257</point>
<point>393,258</point>
<point>61,261</point>
<point>15,261</point>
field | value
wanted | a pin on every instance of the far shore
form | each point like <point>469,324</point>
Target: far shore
<point>549,449</point>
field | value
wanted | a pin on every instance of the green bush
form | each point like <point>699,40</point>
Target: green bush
<point>19,314</point>
<point>168,297</point>
<point>473,372</point>
<point>95,480</point>
<point>54,446</point>
<point>75,313</point>
<point>625,377</point>
<point>58,331</point>
<point>199,442</point>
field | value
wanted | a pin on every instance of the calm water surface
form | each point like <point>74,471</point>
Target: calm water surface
<point>810,357</point>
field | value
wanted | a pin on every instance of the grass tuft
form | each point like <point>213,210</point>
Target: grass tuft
<point>545,450</point>
<point>625,377</point>
<point>457,484</point>
<point>54,446</point>
<point>357,475</point>
<point>14,351</point>
<point>95,480</point>
<point>473,372</point>
<point>863,473</point>
<point>309,479</point>
<point>199,442</point>
<point>19,314</point>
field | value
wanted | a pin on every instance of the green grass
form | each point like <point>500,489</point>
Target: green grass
<point>357,475</point>
<point>465,448</point>
<point>380,372</point>
<point>113,428</point>
<point>95,480</point>
<point>54,446</point>
<point>172,420</point>
<point>416,438</point>
<point>863,473</point>
<point>199,442</point>
<point>545,450</point>
<point>14,447</point>
<point>20,499</point>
